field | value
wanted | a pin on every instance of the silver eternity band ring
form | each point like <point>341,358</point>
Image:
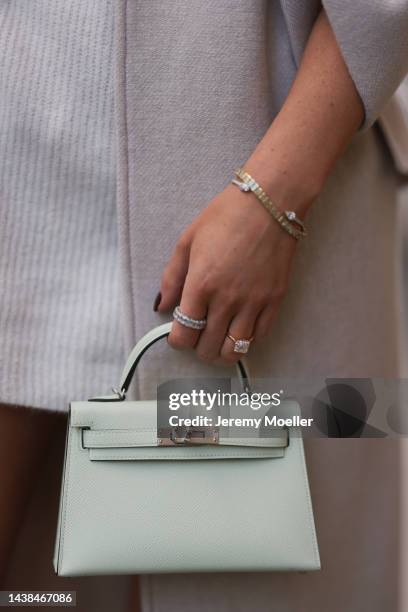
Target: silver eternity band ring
<point>187,321</point>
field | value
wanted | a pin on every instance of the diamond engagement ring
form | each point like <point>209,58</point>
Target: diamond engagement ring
<point>240,345</point>
<point>187,321</point>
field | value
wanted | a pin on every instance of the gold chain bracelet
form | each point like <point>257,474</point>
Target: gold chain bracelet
<point>287,219</point>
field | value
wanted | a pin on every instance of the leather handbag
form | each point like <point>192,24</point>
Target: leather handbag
<point>132,502</point>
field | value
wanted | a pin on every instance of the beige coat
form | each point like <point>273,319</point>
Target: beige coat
<point>191,109</point>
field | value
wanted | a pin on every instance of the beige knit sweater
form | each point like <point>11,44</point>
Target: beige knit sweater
<point>60,332</point>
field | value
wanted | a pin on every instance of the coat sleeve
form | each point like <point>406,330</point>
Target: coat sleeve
<point>373,38</point>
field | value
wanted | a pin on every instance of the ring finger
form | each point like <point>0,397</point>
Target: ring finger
<point>241,327</point>
<point>212,337</point>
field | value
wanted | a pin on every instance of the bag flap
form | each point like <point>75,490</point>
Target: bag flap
<point>141,415</point>
<point>125,430</point>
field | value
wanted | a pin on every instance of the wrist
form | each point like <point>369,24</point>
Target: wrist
<point>287,187</point>
<point>289,220</point>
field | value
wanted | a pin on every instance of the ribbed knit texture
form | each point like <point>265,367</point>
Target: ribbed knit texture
<point>60,333</point>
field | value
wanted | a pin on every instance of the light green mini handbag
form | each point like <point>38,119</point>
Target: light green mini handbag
<point>134,503</point>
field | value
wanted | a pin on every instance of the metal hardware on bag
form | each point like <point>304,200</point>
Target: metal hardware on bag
<point>119,396</point>
<point>83,447</point>
<point>120,393</point>
<point>187,436</point>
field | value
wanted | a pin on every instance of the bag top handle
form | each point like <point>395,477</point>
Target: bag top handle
<point>155,334</point>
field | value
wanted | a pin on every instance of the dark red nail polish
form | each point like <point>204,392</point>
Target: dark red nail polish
<point>157,302</point>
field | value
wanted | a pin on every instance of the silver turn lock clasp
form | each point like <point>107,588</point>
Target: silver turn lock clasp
<point>187,436</point>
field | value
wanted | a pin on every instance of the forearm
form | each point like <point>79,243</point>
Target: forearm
<point>317,121</point>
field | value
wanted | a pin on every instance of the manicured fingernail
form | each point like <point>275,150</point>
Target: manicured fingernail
<point>157,302</point>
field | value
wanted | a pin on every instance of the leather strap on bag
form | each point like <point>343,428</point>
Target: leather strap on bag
<point>162,331</point>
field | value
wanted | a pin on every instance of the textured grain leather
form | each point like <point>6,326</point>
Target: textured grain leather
<point>129,506</point>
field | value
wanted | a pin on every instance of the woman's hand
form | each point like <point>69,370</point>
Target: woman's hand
<point>232,266</point>
<point>232,263</point>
